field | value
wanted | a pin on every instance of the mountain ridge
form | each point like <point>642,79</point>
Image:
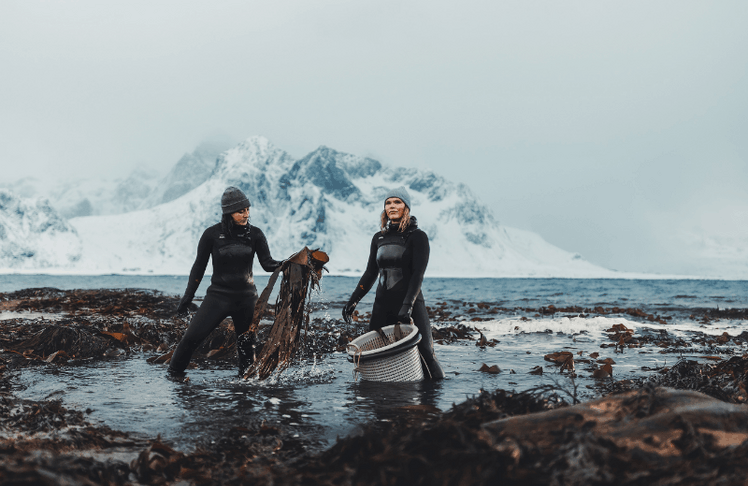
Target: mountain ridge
<point>326,199</point>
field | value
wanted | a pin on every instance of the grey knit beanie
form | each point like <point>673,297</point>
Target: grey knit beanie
<point>400,193</point>
<point>233,200</point>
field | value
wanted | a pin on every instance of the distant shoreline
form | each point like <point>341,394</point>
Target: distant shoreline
<point>622,276</point>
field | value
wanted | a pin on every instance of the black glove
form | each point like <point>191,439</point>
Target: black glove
<point>183,307</point>
<point>404,315</point>
<point>348,311</point>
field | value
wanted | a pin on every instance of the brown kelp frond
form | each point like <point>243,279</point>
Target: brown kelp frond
<point>301,273</point>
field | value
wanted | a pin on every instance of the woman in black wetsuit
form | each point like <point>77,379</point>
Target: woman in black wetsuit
<point>233,244</point>
<point>398,256</point>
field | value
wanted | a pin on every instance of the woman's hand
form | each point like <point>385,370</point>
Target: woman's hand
<point>404,315</point>
<point>184,308</point>
<point>348,311</point>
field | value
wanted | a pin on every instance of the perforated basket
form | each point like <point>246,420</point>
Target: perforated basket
<point>377,360</point>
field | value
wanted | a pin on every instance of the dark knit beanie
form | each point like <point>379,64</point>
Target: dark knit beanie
<point>233,200</point>
<point>400,193</point>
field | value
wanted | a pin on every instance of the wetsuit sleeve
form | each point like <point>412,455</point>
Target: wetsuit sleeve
<point>419,261</point>
<point>369,276</point>
<point>204,248</point>
<point>263,252</point>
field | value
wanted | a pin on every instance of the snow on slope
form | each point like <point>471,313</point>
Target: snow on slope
<point>163,239</point>
<point>33,236</point>
<point>328,200</point>
<point>88,197</point>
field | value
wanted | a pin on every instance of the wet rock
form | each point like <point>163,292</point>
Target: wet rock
<point>450,334</point>
<point>493,370</point>
<point>627,438</point>
<point>74,340</point>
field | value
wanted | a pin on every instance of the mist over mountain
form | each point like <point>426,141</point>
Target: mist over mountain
<point>143,188</point>
<point>71,198</point>
<point>327,199</point>
<point>714,255</point>
<point>188,173</point>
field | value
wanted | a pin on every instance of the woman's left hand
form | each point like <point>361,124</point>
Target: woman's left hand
<point>404,314</point>
<point>348,312</point>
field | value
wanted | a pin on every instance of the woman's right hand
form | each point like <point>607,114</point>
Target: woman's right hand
<point>348,312</point>
<point>184,307</point>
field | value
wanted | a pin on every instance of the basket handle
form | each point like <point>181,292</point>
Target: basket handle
<point>356,358</point>
<point>383,336</point>
<point>398,332</point>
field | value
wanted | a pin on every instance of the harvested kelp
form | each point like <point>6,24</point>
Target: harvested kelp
<point>300,273</point>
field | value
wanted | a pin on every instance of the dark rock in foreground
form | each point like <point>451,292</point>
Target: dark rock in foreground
<point>649,436</point>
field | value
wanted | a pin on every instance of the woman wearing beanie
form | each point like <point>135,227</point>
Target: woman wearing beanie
<point>398,255</point>
<point>232,244</point>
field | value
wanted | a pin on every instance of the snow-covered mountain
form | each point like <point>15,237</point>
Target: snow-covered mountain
<point>33,236</point>
<point>326,199</point>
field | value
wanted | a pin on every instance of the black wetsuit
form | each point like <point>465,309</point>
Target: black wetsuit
<point>232,291</point>
<point>399,260</point>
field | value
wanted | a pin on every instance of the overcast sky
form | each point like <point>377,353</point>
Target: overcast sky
<point>615,129</point>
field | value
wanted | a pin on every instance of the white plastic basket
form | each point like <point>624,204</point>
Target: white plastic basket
<point>376,360</point>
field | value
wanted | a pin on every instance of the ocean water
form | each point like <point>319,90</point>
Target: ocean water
<point>320,397</point>
<point>668,295</point>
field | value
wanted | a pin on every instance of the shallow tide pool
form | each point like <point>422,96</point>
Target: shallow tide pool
<point>320,397</point>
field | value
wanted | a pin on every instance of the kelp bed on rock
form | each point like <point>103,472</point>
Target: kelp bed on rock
<point>649,436</point>
<point>663,429</point>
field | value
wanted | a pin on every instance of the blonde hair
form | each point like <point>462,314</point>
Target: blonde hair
<point>404,221</point>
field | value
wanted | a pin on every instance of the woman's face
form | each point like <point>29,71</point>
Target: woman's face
<point>241,217</point>
<point>394,207</point>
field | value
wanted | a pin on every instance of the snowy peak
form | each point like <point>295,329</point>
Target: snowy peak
<point>254,166</point>
<point>360,167</point>
<point>326,169</point>
<point>254,153</point>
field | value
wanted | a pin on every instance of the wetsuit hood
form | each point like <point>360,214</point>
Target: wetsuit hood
<point>411,227</point>
<point>240,230</point>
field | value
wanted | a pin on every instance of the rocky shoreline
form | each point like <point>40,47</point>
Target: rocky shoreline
<point>687,424</point>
